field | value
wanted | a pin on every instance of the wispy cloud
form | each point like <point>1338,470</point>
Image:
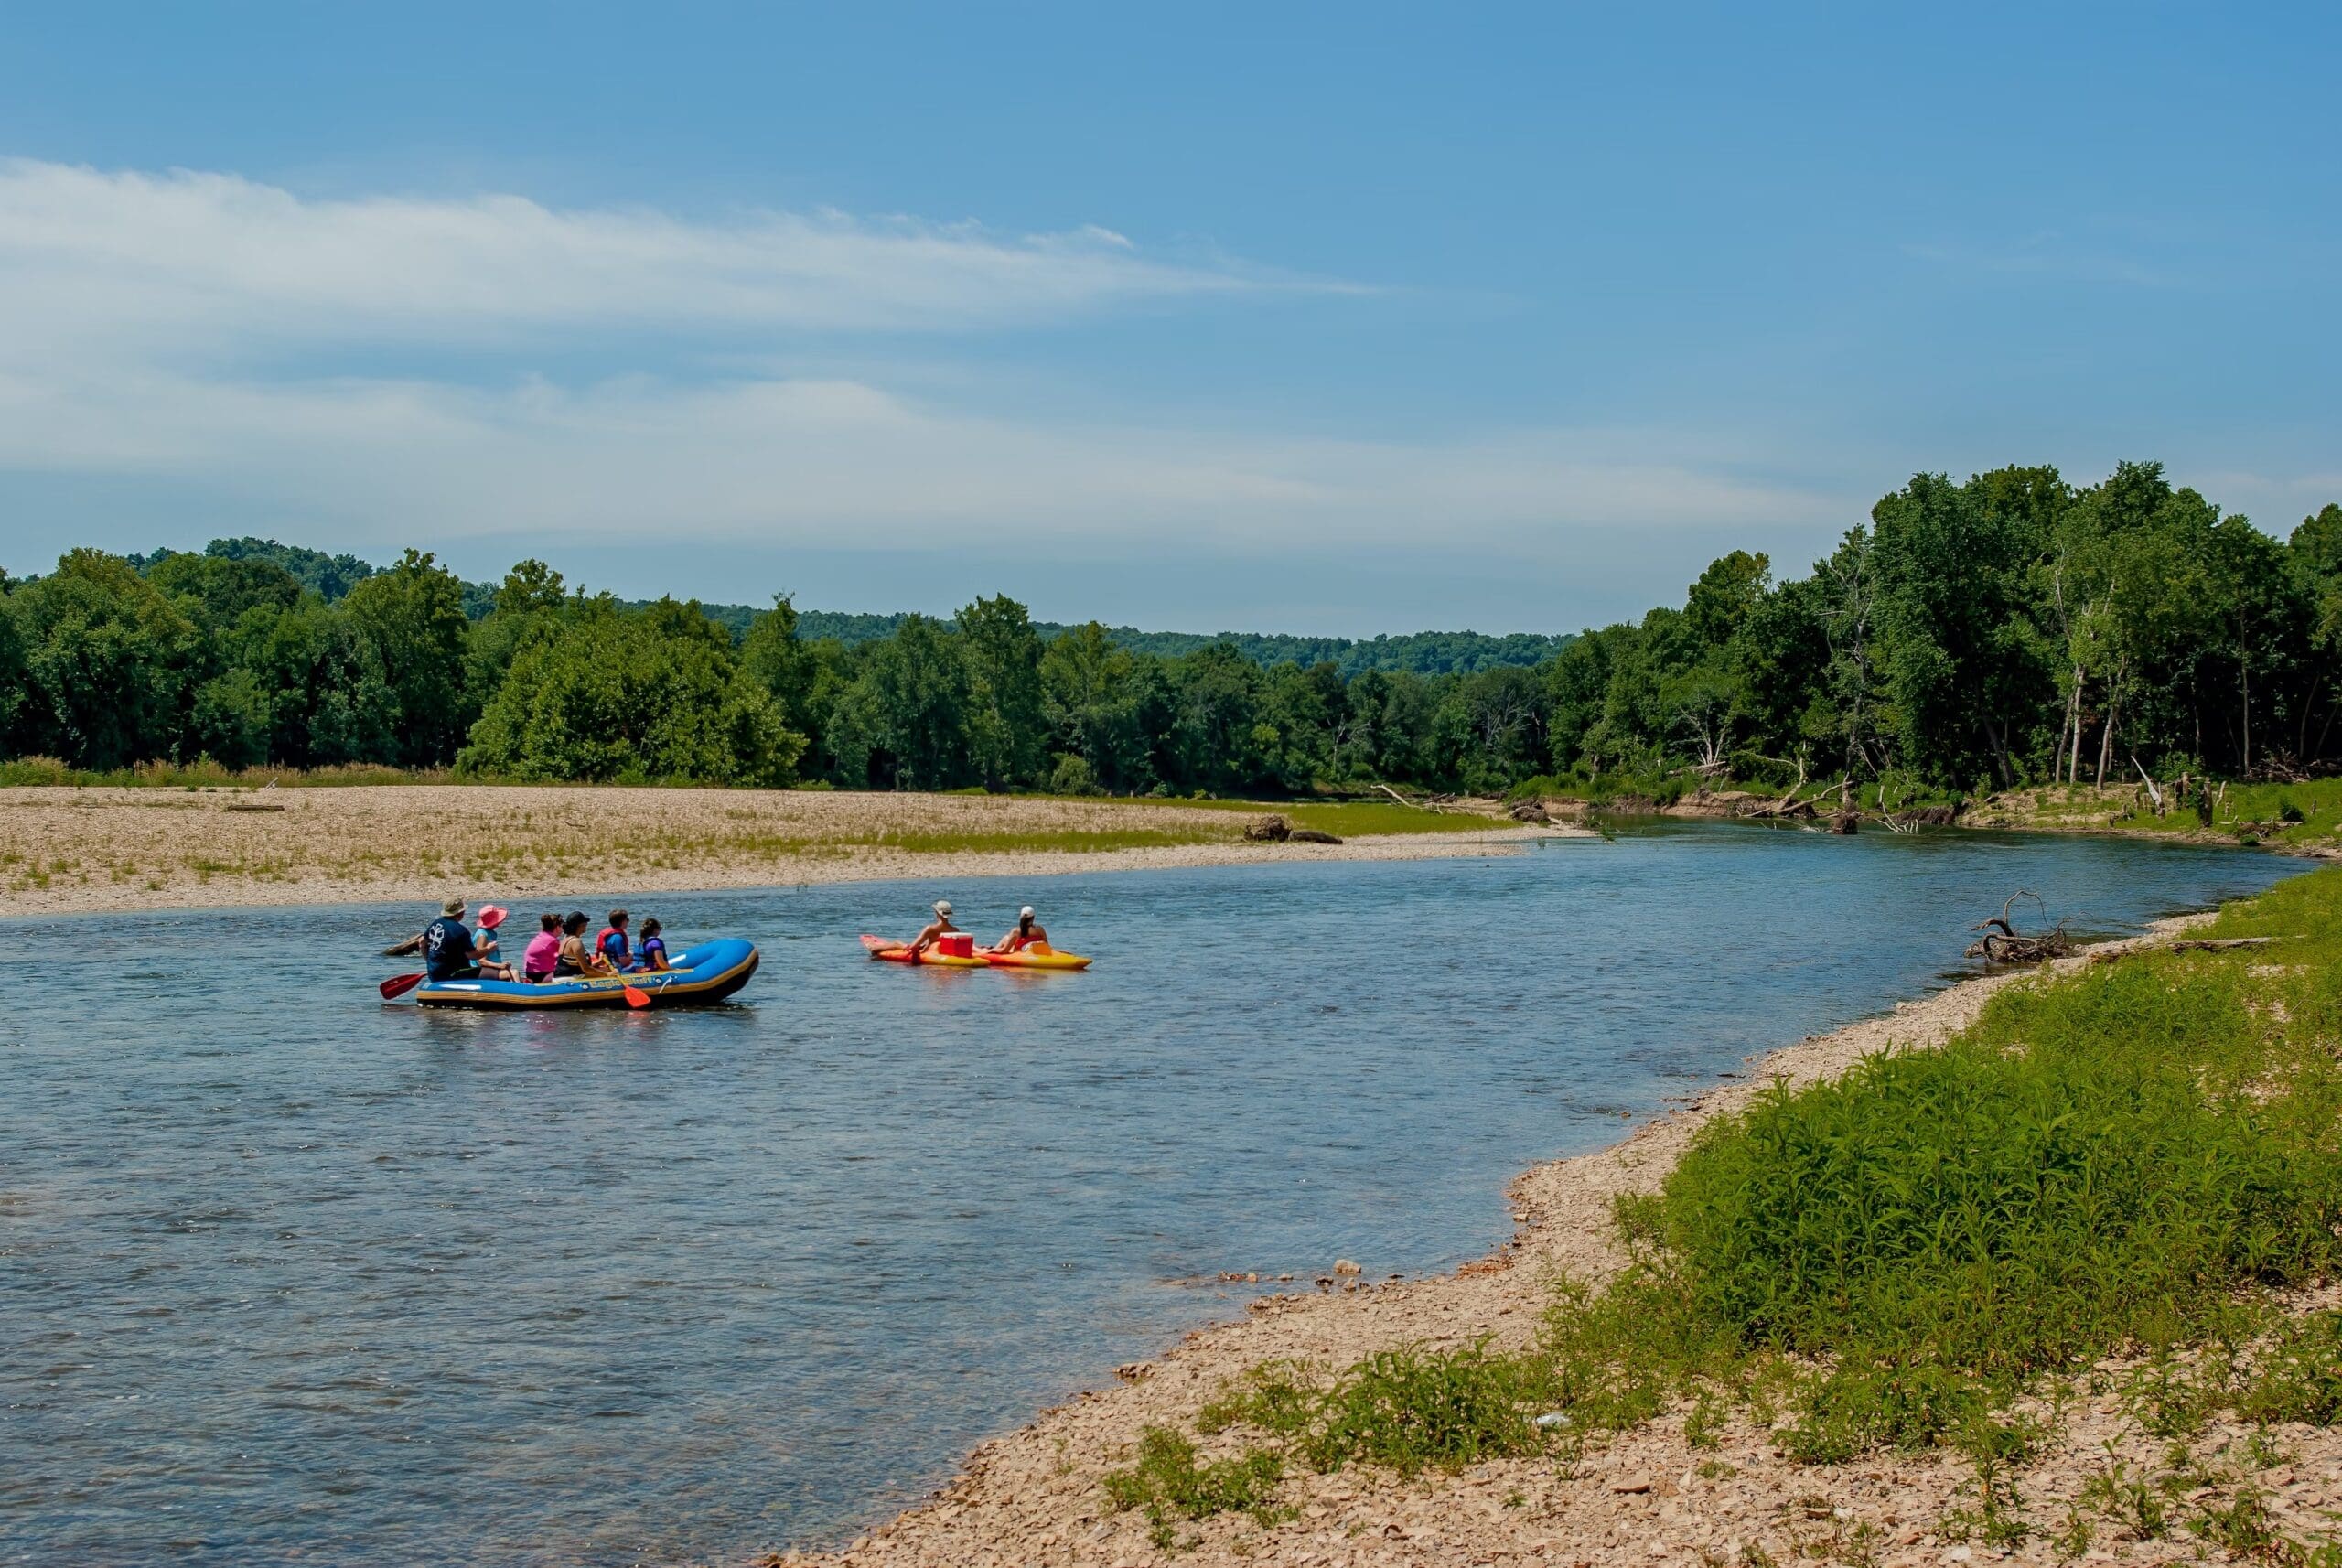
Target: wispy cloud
<point>184,259</point>
<point>2049,255</point>
<point>844,461</point>
<point>205,329</point>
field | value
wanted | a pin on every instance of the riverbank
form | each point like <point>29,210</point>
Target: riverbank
<point>1658,1491</point>
<point>2303,819</point>
<point>65,851</point>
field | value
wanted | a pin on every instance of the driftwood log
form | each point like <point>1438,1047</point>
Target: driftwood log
<point>1273,829</point>
<point>2004,943</point>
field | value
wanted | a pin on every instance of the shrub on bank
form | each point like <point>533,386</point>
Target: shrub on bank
<point>203,774</point>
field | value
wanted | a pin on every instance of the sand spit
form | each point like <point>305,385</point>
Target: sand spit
<point>71,851</point>
<point>1033,1498</point>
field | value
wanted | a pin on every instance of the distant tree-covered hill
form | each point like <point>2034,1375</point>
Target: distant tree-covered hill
<point>1422,653</point>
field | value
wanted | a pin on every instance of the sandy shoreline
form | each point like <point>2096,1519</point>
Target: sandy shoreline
<point>1033,1496</point>
<point>115,849</point>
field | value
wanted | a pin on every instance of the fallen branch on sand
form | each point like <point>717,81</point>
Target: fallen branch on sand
<point>2004,943</point>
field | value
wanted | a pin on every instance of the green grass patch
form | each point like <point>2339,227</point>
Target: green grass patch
<point>1352,819</point>
<point>1407,1410</point>
<point>1017,842</point>
<point>2131,1159</point>
<point>204,774</point>
<point>1170,1483</point>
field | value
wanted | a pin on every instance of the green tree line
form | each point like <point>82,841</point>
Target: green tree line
<point>1422,652</point>
<point>2007,629</point>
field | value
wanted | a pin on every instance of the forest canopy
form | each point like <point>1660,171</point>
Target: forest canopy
<point>2008,629</point>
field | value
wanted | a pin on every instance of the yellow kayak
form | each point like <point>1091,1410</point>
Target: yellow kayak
<point>1039,956</point>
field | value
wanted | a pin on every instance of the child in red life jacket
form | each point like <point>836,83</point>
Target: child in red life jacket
<point>611,944</point>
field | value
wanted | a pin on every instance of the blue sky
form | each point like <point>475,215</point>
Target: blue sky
<point>1341,318</point>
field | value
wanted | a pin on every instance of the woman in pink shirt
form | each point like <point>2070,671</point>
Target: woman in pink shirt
<point>545,952</point>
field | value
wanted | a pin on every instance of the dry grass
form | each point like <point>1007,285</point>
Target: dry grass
<point>109,848</point>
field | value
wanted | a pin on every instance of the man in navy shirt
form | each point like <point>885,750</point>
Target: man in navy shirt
<point>448,950</point>
<point>447,953</point>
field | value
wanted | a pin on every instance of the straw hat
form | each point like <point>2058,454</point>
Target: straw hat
<point>453,908</point>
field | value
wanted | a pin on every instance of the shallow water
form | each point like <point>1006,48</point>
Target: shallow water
<point>288,1274</point>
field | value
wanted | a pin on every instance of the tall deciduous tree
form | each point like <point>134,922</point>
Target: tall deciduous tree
<point>654,696</point>
<point>1007,726</point>
<point>110,663</point>
<point>903,721</point>
<point>413,615</point>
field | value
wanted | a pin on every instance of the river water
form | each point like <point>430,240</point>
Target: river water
<point>288,1274</point>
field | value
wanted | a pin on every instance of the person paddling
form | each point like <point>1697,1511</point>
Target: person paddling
<point>612,945</point>
<point>1029,933</point>
<point>577,958</point>
<point>940,926</point>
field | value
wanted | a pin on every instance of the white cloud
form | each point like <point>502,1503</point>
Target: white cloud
<point>158,262</point>
<point>206,329</point>
<point>838,462</point>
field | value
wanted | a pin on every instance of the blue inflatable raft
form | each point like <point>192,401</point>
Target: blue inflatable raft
<point>708,973</point>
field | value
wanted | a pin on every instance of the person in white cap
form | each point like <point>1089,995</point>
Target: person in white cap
<point>938,927</point>
<point>1028,933</point>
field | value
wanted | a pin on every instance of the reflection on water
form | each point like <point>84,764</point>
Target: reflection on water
<point>288,1272</point>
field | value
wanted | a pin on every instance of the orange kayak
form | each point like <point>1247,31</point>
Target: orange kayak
<point>900,952</point>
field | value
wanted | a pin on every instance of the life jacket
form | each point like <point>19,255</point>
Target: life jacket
<point>602,945</point>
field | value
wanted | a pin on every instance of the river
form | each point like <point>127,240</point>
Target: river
<point>288,1273</point>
